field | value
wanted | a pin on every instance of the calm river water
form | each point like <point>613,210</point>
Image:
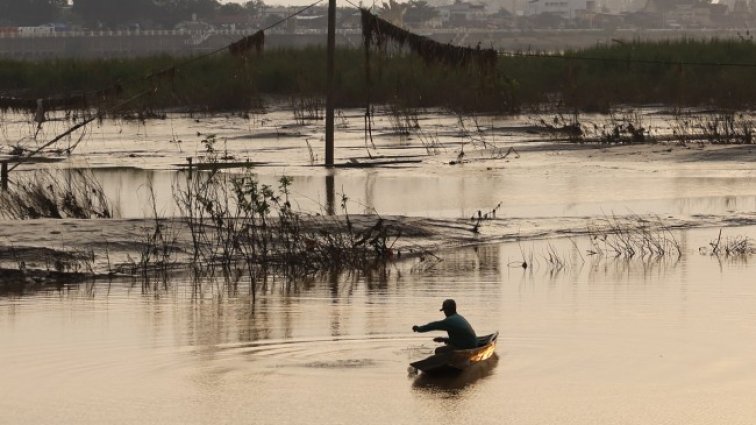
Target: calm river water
<point>598,342</point>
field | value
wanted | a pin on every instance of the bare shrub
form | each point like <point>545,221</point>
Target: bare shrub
<point>158,247</point>
<point>561,127</point>
<point>241,228</point>
<point>624,127</point>
<point>480,217</point>
<point>403,119</point>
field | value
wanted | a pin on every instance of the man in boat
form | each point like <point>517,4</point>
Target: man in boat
<point>461,334</point>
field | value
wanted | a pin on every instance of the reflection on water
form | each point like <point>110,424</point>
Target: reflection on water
<point>129,190</point>
<point>453,381</point>
<point>458,195</point>
<point>330,188</point>
<point>646,341</point>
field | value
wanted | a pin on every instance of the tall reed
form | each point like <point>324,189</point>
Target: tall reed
<point>47,194</point>
<point>591,79</point>
<point>632,236</point>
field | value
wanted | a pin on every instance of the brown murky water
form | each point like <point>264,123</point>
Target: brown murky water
<point>594,342</point>
<point>600,341</point>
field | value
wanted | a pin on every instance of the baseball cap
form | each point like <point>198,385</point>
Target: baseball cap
<point>449,304</point>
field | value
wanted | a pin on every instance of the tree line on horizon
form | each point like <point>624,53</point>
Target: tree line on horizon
<point>96,14</point>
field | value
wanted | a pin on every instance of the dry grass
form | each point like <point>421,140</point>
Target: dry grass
<point>632,236</point>
<point>737,246</point>
<point>44,194</point>
<point>306,109</point>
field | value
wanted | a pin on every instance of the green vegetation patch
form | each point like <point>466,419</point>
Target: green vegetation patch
<point>680,73</point>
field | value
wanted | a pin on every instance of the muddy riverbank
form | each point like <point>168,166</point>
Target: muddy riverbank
<point>448,182</point>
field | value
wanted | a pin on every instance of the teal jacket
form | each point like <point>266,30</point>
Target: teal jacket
<point>461,334</point>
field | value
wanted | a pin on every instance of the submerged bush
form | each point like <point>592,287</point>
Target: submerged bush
<point>238,228</point>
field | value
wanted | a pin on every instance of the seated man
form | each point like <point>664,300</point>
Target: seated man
<point>461,334</point>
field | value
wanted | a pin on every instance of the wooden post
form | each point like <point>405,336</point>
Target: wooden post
<point>329,83</point>
<point>189,162</point>
<point>4,176</point>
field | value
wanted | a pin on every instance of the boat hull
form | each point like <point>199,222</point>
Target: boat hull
<point>458,360</point>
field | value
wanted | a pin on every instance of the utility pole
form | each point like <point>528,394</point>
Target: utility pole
<point>329,84</point>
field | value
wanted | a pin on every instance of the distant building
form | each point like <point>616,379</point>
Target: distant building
<point>44,30</point>
<point>687,13</point>
<point>567,9</point>
<point>233,22</point>
<point>741,7</point>
<point>275,14</point>
<point>594,19</point>
<point>311,22</point>
<point>194,26</point>
<point>461,13</point>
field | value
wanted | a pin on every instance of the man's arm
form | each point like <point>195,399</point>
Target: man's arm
<point>432,326</point>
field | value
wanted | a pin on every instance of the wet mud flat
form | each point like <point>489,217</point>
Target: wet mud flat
<point>439,180</point>
<point>58,252</point>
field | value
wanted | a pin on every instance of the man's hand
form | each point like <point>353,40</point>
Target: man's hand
<point>415,328</point>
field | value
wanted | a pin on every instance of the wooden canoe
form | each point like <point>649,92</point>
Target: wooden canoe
<point>459,359</point>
